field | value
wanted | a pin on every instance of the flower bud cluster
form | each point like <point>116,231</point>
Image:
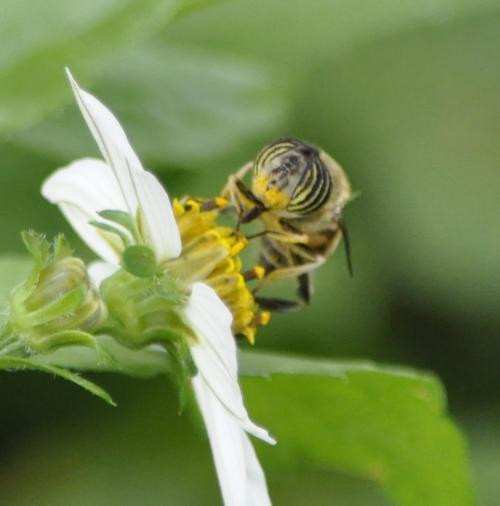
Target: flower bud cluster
<point>56,306</point>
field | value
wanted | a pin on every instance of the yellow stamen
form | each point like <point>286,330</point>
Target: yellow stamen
<point>264,318</point>
<point>192,205</point>
<point>237,248</point>
<point>178,207</point>
<point>258,272</point>
<point>249,333</point>
<point>210,254</point>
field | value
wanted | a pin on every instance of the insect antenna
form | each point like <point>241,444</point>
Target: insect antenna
<point>347,245</point>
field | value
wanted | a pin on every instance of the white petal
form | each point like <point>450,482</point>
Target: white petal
<point>241,478</point>
<point>99,271</point>
<point>215,353</point>
<point>225,440</point>
<point>138,187</point>
<point>112,142</point>
<point>256,486</point>
<point>162,233</point>
<point>82,189</point>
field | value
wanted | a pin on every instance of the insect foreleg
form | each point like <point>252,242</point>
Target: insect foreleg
<point>248,206</point>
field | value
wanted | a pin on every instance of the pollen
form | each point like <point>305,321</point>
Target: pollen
<point>221,202</point>
<point>270,194</point>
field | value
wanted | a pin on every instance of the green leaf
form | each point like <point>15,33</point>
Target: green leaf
<point>16,363</point>
<point>385,424</point>
<point>81,35</point>
<point>266,29</point>
<point>182,106</point>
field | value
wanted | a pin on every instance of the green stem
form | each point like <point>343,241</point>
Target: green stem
<point>153,361</point>
<point>144,363</point>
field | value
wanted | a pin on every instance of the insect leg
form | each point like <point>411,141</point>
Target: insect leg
<point>281,236</point>
<point>304,289</point>
<point>283,305</point>
<point>258,207</point>
<point>231,190</point>
<point>290,272</point>
<point>278,305</point>
<point>248,206</point>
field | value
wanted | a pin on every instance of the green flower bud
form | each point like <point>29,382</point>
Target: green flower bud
<point>143,310</point>
<point>57,306</point>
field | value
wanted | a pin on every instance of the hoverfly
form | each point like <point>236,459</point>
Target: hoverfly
<point>298,192</point>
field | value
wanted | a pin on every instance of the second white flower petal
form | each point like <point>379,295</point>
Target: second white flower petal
<point>81,190</point>
<point>241,478</point>
<point>215,353</point>
<point>162,233</point>
<point>112,141</point>
<point>139,188</point>
<point>256,486</point>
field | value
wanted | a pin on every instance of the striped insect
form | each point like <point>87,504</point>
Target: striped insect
<point>298,192</point>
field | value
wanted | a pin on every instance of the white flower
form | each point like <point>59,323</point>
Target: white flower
<point>89,186</point>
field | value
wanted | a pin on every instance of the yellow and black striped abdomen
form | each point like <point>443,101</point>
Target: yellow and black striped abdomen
<point>291,175</point>
<point>313,189</point>
<point>272,152</point>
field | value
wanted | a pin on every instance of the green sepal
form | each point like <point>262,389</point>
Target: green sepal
<point>141,310</point>
<point>182,370</point>
<point>38,247</point>
<point>61,248</point>
<point>111,229</point>
<point>140,261</point>
<point>74,338</point>
<point>17,363</point>
<point>169,292</point>
<point>21,292</point>
<point>121,218</point>
<point>43,253</point>
<point>68,303</point>
<point>65,338</point>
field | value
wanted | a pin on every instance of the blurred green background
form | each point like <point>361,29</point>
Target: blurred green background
<point>405,95</point>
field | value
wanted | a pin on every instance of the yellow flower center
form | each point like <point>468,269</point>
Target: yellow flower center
<point>210,254</point>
